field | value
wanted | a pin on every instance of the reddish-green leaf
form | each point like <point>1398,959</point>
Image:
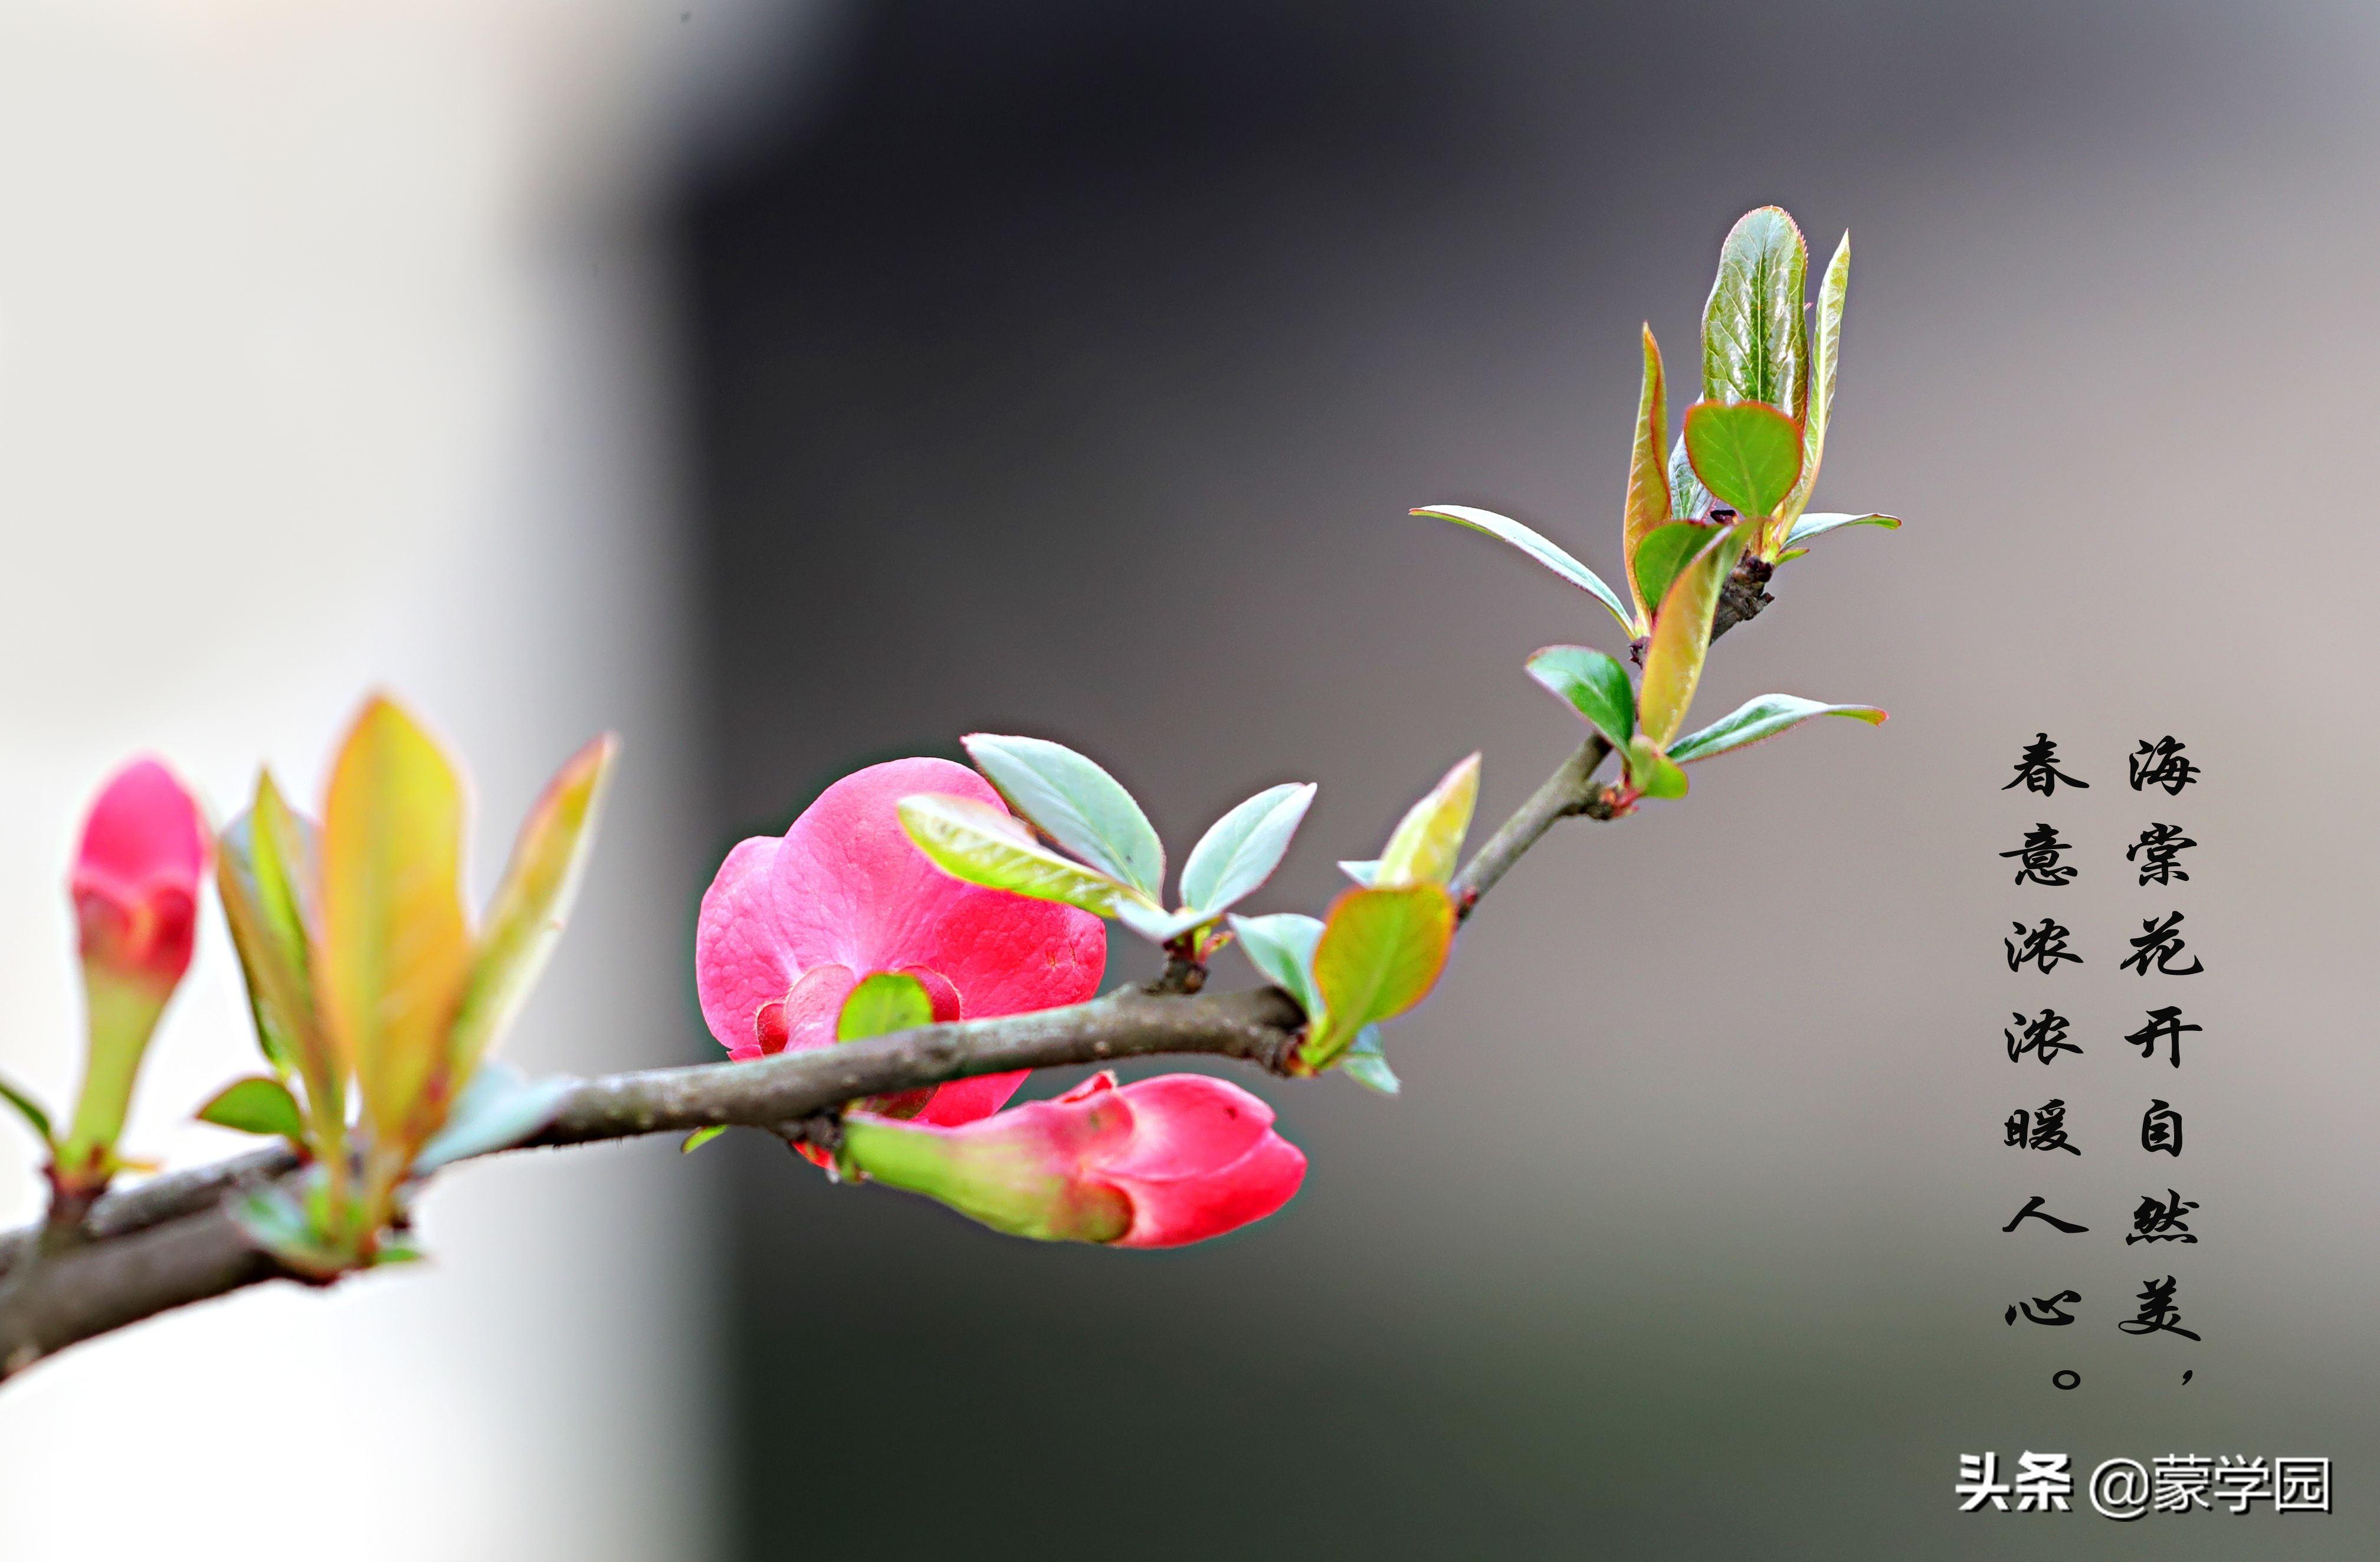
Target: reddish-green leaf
<point>525,916</point>
<point>394,947</point>
<point>269,876</point>
<point>1380,953</point>
<point>1664,554</point>
<point>1649,479</point>
<point>1826,355</point>
<point>1651,772</point>
<point>1682,631</point>
<point>1747,455</point>
<point>1754,340</point>
<point>1428,840</point>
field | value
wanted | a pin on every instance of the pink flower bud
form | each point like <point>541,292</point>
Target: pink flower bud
<point>1154,1164</point>
<point>136,875</point>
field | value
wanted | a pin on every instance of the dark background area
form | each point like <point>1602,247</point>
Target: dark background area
<point>1071,371</point>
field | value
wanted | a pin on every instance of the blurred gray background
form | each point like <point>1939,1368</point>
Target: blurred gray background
<point>794,386</point>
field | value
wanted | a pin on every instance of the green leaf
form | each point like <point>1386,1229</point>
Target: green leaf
<point>1648,480</point>
<point>278,1224</point>
<point>396,948</point>
<point>1379,954</point>
<point>1817,523</point>
<point>525,916</point>
<point>1365,1064</point>
<point>256,1104</point>
<point>700,1138</point>
<point>1764,717</point>
<point>1428,844</point>
<point>38,1120</point>
<point>1689,500</point>
<point>1366,872</point>
<point>1157,924</point>
<point>1682,631</point>
<point>1755,338</point>
<point>1747,454</point>
<point>1664,554</point>
<point>273,989</point>
<point>1826,355</point>
<point>396,1248</point>
<point>1506,530</point>
<point>1282,947</point>
<point>1595,685</point>
<point>501,1107</point>
<point>1240,850</point>
<point>881,1004</point>
<point>285,856</point>
<point>1075,804</point>
<point>1651,772</point>
<point>987,846</point>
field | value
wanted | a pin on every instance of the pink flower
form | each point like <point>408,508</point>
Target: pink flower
<point>792,924</point>
<point>136,875</point>
<point>1156,1164</point>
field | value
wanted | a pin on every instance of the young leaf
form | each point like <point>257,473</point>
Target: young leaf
<point>268,875</point>
<point>1379,954</point>
<point>525,916</point>
<point>501,1107</point>
<point>1428,844</point>
<point>38,1120</point>
<point>394,947</point>
<point>1365,1063</point>
<point>1747,454</point>
<point>272,1218</point>
<point>1817,523</point>
<point>1506,530</point>
<point>1281,946</point>
<point>1366,872</point>
<point>1648,480</point>
<point>1689,500</point>
<point>1754,341</point>
<point>1664,554</point>
<point>1681,631</point>
<point>700,1138</point>
<point>1595,685</point>
<point>1240,850</point>
<point>1764,717</point>
<point>1651,772</point>
<point>256,1104</point>
<point>881,1004</point>
<point>1156,923</point>
<point>987,846</point>
<point>1074,803</point>
<point>1825,354</point>
<point>272,987</point>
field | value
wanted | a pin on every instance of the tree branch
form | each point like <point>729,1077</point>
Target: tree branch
<point>168,1242</point>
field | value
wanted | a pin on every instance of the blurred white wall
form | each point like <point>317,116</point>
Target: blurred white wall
<point>331,354</point>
